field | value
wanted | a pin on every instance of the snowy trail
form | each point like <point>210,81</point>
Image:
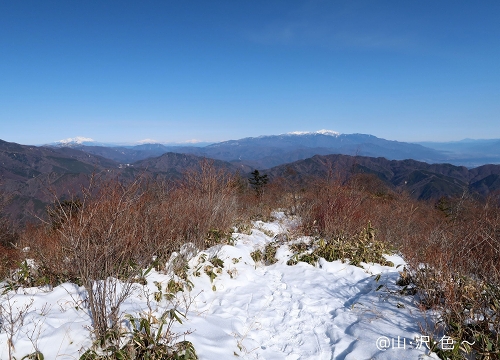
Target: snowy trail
<point>304,312</point>
<point>328,311</point>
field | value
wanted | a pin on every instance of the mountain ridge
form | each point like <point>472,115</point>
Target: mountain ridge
<point>421,180</point>
<point>267,151</point>
<point>26,172</point>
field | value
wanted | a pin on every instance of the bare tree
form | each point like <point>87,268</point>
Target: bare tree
<point>101,240</point>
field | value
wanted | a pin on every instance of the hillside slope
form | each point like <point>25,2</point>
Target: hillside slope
<point>423,181</point>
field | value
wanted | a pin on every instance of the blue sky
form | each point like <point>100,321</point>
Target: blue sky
<point>173,71</point>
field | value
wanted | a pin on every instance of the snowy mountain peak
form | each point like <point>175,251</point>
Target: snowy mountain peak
<point>73,141</point>
<point>327,132</point>
<point>321,132</point>
<point>147,141</point>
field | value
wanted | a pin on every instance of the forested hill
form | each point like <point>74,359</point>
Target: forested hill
<point>421,180</point>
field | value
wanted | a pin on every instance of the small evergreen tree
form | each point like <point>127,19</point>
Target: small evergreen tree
<point>258,182</point>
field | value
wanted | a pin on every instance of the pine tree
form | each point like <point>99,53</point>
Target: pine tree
<point>258,182</point>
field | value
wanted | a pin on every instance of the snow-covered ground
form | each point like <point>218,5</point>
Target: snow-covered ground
<point>249,310</point>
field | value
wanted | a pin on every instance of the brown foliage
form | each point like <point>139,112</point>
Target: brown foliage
<point>130,223</point>
<point>9,238</point>
<point>334,210</point>
<point>453,251</point>
<point>113,230</point>
<point>205,201</point>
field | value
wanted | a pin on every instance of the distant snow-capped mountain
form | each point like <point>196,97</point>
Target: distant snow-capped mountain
<point>320,132</point>
<point>271,150</point>
<point>77,142</point>
<point>80,140</point>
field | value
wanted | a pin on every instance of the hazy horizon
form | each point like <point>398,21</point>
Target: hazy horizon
<point>82,139</point>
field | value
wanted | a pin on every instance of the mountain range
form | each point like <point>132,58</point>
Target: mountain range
<point>267,151</point>
<point>421,180</point>
<point>31,176</point>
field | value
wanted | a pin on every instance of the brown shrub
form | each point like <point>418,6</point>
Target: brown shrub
<point>114,229</point>
<point>9,259</point>
<point>9,238</point>
<point>332,209</point>
<point>452,249</point>
<point>205,203</point>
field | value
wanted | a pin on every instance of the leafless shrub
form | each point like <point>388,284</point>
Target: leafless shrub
<point>101,242</point>
<point>466,262</point>
<point>335,210</point>
<point>205,203</point>
<point>104,238</point>
<point>12,317</point>
<point>452,250</point>
<point>9,238</point>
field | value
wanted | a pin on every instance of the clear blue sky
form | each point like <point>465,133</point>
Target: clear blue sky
<point>172,71</point>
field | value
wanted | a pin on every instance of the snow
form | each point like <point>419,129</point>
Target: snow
<point>321,132</point>
<point>75,140</point>
<point>327,132</point>
<point>328,311</point>
<point>148,141</point>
